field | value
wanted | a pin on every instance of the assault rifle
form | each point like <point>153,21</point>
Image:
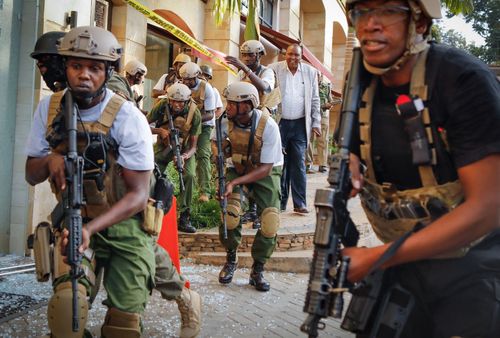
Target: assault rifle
<point>72,202</point>
<point>220,173</point>
<point>334,226</point>
<point>176,146</point>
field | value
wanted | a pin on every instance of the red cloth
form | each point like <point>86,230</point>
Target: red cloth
<point>168,237</point>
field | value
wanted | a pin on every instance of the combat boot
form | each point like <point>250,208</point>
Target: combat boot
<point>257,277</point>
<point>189,303</point>
<point>185,222</point>
<point>227,272</point>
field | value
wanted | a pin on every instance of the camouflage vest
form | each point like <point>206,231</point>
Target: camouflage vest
<point>100,189</point>
<point>391,212</point>
<point>239,138</point>
<point>198,96</point>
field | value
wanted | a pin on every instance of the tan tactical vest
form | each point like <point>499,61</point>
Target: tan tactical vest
<point>408,207</point>
<point>96,202</point>
<point>272,99</point>
<point>239,139</point>
<point>181,122</point>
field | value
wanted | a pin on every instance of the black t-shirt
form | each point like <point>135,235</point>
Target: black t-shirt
<point>464,103</point>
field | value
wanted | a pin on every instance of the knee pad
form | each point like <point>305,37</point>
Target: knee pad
<point>233,211</point>
<point>60,314</point>
<point>121,324</point>
<point>270,222</point>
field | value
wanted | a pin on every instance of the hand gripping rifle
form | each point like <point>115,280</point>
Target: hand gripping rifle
<point>72,202</point>
<point>333,224</point>
<point>176,145</point>
<point>220,173</point>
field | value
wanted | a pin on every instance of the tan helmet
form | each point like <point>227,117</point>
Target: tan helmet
<point>431,8</point>
<point>207,70</point>
<point>133,67</point>
<point>184,58</point>
<point>179,92</point>
<point>242,91</point>
<point>91,43</point>
<point>189,70</point>
<point>253,46</point>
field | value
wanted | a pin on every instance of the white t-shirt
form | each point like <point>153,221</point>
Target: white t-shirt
<point>271,151</point>
<point>130,130</point>
<point>218,100</point>
<point>209,103</point>
<point>267,76</point>
<point>161,82</point>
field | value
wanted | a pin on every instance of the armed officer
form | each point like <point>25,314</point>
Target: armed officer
<point>203,95</point>
<point>187,122</point>
<point>254,160</point>
<point>115,142</point>
<point>168,281</point>
<point>48,61</point>
<point>428,134</point>
<point>171,77</point>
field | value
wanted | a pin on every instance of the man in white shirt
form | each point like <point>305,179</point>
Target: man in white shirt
<point>300,114</point>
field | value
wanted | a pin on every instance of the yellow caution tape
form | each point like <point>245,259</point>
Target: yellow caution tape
<point>178,33</point>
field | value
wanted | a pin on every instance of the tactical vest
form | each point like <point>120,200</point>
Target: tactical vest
<point>100,189</point>
<point>182,122</point>
<point>272,99</point>
<point>392,213</point>
<point>244,159</point>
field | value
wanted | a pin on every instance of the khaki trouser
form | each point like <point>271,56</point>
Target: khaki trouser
<point>322,144</point>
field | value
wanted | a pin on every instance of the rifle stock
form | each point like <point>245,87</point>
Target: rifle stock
<point>334,226</point>
<point>174,140</point>
<point>72,201</point>
<point>220,173</point>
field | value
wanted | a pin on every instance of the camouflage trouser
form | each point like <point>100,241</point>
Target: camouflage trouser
<point>167,280</point>
<point>203,164</point>
<point>266,193</point>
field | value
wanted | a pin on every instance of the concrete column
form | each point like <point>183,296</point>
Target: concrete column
<point>289,18</point>
<point>224,38</point>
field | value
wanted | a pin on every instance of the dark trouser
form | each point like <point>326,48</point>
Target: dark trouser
<point>455,297</point>
<point>294,142</point>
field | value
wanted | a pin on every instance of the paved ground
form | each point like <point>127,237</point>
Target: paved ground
<point>236,310</point>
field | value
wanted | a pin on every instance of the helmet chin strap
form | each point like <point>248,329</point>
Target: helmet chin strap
<point>87,98</point>
<point>412,45</point>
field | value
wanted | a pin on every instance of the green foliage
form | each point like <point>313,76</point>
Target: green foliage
<point>202,214</point>
<point>459,6</point>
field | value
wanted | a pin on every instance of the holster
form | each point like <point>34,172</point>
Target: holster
<point>43,246</point>
<point>380,306</point>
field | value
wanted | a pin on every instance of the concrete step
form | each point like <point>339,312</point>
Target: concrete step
<point>283,261</point>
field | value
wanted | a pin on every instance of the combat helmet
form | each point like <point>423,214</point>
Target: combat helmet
<point>91,43</point>
<point>207,70</point>
<point>47,44</point>
<point>178,92</point>
<point>184,58</point>
<point>242,91</point>
<point>133,67</point>
<point>189,70</point>
<point>252,46</point>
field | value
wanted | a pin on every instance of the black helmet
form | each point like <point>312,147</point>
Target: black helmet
<point>47,44</point>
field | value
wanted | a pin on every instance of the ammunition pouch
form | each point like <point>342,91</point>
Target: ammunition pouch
<point>152,218</point>
<point>380,306</point>
<point>43,248</point>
